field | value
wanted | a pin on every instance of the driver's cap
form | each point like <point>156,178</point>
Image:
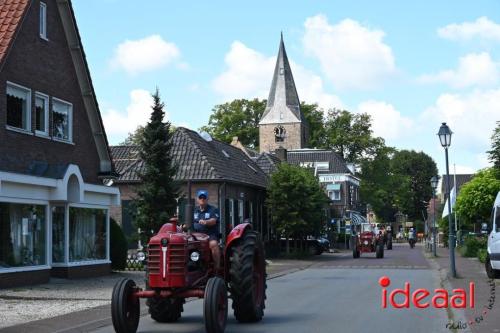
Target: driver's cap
<point>201,193</point>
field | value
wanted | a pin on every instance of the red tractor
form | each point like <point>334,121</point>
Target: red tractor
<point>367,239</point>
<point>180,265</point>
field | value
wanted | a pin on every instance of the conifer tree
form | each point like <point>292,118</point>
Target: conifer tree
<point>157,194</point>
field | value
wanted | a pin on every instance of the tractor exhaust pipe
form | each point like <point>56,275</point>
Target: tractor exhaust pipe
<point>188,211</point>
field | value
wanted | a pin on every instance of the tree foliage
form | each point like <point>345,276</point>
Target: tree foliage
<point>395,181</point>
<point>350,135</point>
<point>494,153</point>
<point>296,201</point>
<point>476,197</point>
<point>157,194</point>
<point>237,118</point>
<point>419,168</point>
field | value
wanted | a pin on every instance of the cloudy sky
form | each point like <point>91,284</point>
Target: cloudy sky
<point>410,66</point>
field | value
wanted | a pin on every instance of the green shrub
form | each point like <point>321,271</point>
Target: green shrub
<point>471,246</point>
<point>481,255</point>
<point>118,246</point>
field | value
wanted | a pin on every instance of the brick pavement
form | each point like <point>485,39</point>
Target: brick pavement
<point>471,270</point>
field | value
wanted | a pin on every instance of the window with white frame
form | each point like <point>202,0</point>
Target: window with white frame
<point>43,20</point>
<point>18,106</point>
<point>41,114</point>
<point>62,119</point>
<point>334,195</point>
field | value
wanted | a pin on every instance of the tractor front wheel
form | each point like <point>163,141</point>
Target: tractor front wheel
<point>165,310</point>
<point>125,307</point>
<point>215,305</point>
<point>248,278</point>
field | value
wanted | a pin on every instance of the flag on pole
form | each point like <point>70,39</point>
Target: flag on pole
<point>453,199</point>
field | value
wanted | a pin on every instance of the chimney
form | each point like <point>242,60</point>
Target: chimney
<point>281,154</point>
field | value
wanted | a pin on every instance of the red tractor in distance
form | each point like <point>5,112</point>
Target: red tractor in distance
<point>367,239</point>
<point>180,265</point>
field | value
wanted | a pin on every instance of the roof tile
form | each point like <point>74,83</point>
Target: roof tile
<point>11,12</point>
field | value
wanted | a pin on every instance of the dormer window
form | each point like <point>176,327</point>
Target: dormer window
<point>282,71</point>
<point>43,20</point>
<point>279,134</point>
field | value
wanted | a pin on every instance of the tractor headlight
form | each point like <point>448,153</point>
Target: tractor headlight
<point>164,242</point>
<point>195,256</point>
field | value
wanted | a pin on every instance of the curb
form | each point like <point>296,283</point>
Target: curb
<point>454,315</point>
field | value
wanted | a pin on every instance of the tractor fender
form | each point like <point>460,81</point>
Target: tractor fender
<point>236,233</point>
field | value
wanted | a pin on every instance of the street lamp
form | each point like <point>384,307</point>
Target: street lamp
<point>445,138</point>
<point>434,185</point>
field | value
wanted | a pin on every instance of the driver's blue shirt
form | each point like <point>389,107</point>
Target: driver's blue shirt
<point>208,213</point>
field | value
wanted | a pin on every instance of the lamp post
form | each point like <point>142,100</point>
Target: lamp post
<point>434,185</point>
<point>445,138</point>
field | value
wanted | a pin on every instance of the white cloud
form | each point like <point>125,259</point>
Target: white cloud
<point>483,29</point>
<point>147,54</point>
<point>475,69</point>
<point>249,74</point>
<point>351,55</point>
<point>471,117</point>
<point>119,124</point>
<point>387,122</point>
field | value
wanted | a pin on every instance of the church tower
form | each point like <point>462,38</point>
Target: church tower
<point>282,124</point>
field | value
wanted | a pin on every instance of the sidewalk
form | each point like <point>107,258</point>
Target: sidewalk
<point>76,303</point>
<point>471,270</point>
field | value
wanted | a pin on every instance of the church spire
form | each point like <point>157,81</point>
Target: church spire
<point>283,104</point>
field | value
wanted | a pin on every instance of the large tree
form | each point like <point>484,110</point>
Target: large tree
<point>477,197</point>
<point>350,135</point>
<point>381,187</point>
<point>419,168</point>
<point>494,153</point>
<point>237,118</point>
<point>157,194</point>
<point>315,122</point>
<point>296,201</point>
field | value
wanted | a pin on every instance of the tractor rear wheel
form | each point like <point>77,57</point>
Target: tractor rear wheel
<point>215,305</point>
<point>380,250</point>
<point>165,310</point>
<point>247,274</point>
<point>125,308</point>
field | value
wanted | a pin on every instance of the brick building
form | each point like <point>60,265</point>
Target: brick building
<point>54,154</point>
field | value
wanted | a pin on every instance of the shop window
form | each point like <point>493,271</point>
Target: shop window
<point>87,234</point>
<point>58,235</point>
<point>22,235</point>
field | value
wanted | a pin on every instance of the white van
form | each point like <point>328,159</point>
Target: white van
<point>493,259</point>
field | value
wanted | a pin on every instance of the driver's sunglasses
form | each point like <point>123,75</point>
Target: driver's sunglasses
<point>202,198</point>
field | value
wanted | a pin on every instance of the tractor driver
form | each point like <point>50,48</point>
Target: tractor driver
<point>206,220</point>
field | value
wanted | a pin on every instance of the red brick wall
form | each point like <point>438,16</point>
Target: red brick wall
<point>9,280</point>
<point>45,66</point>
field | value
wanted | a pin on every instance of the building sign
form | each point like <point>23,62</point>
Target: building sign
<point>338,178</point>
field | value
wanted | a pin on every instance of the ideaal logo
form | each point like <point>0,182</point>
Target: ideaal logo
<point>440,298</point>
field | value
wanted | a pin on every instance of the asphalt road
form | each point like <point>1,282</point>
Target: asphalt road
<point>337,294</point>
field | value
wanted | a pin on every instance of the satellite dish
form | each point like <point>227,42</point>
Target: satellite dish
<point>206,136</point>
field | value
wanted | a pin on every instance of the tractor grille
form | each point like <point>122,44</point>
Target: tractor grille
<point>154,259</point>
<point>176,259</point>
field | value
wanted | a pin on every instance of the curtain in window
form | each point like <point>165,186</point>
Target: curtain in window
<point>83,236</point>
<point>15,215</point>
